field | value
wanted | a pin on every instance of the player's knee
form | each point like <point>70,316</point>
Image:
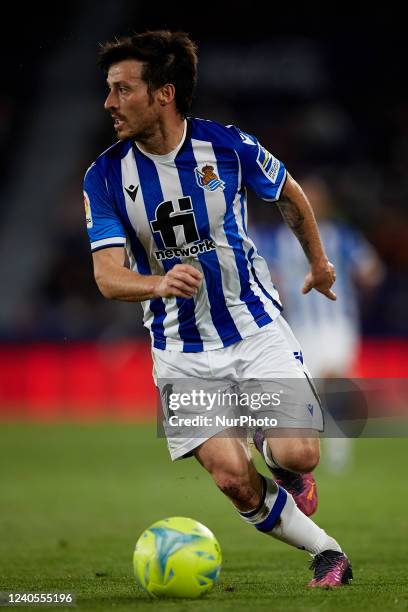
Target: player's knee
<point>303,458</point>
<point>308,460</point>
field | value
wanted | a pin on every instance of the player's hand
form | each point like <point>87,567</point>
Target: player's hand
<point>182,280</point>
<point>321,278</point>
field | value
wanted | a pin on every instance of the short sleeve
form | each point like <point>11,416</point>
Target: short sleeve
<point>102,221</point>
<point>261,171</point>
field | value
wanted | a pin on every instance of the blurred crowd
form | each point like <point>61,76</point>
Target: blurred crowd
<point>327,100</point>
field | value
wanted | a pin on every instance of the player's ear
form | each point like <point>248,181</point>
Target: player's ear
<point>166,94</point>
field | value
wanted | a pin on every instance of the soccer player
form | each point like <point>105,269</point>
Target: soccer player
<point>166,216</point>
<point>329,332</point>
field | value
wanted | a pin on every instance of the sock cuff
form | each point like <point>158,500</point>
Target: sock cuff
<point>268,457</point>
<point>270,521</point>
<point>266,515</point>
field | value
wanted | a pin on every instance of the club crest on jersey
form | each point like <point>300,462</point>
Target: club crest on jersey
<point>88,212</point>
<point>268,164</point>
<point>207,179</point>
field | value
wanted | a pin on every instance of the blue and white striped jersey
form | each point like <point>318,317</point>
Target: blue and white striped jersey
<point>189,206</point>
<point>346,248</point>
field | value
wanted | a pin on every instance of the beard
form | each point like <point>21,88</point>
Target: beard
<point>141,131</point>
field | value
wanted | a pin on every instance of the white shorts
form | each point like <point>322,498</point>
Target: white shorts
<point>330,350</point>
<point>270,357</point>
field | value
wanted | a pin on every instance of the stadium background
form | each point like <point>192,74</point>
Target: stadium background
<point>324,92</point>
<point>325,95</point>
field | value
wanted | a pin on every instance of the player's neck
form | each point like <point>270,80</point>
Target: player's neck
<point>166,138</point>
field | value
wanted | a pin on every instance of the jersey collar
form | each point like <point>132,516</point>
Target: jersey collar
<point>171,156</point>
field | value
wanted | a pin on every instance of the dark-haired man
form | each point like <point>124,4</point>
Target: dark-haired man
<point>166,215</point>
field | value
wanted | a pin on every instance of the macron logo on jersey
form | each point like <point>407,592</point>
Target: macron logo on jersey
<point>132,191</point>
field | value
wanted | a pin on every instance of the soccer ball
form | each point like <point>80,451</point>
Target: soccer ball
<point>177,557</point>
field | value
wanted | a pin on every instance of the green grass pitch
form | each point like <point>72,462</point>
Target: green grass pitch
<point>75,498</point>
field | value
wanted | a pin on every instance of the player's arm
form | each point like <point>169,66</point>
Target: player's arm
<point>267,176</point>
<point>298,214</point>
<point>116,281</point>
